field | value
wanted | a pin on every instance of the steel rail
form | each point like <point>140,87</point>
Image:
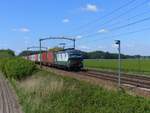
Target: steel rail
<point>124,80</point>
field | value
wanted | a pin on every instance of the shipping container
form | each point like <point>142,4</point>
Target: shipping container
<point>44,57</point>
<point>32,57</point>
<point>50,58</point>
<point>29,57</point>
<point>36,57</point>
<point>68,59</point>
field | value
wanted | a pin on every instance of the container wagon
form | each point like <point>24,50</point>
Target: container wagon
<point>68,59</point>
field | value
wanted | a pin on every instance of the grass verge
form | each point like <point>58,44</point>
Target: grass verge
<point>45,92</point>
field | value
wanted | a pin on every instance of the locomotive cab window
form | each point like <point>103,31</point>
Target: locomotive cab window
<point>75,55</point>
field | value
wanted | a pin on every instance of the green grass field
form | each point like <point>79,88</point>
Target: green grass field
<point>127,65</point>
<point>45,92</point>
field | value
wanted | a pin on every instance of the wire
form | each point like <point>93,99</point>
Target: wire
<point>137,15</point>
<point>107,15</point>
<point>130,24</point>
<point>121,27</point>
<point>124,34</point>
<point>132,17</point>
<point>117,17</point>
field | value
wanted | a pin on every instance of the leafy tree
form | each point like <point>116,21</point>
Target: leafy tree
<point>55,49</point>
<point>7,53</point>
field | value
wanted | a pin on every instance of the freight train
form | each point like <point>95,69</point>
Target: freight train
<point>67,59</point>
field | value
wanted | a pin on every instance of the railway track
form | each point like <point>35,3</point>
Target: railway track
<point>8,102</point>
<point>134,80</point>
<point>126,79</point>
<point>124,74</point>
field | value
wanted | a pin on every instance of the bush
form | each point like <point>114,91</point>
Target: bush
<point>17,67</point>
<point>7,53</point>
<point>2,64</point>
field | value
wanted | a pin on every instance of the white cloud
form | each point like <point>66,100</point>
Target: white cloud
<point>90,8</point>
<point>22,29</point>
<point>78,37</point>
<point>102,31</point>
<point>66,20</point>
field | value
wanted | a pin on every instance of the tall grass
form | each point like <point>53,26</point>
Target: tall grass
<point>54,94</point>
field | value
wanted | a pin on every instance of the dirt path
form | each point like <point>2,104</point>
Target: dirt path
<point>8,101</point>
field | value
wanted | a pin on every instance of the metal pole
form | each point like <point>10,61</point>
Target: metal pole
<point>63,45</point>
<point>119,64</point>
<point>139,60</point>
<point>27,54</point>
<point>74,43</point>
<point>46,54</point>
<point>40,55</point>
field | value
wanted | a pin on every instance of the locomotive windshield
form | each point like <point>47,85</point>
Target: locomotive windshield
<point>75,54</point>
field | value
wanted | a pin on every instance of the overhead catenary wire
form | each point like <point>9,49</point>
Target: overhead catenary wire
<point>120,27</point>
<point>126,12</point>
<point>139,14</point>
<point>113,19</point>
<point>132,17</point>
<point>129,18</point>
<point>107,15</point>
<point>125,25</point>
<point>122,34</point>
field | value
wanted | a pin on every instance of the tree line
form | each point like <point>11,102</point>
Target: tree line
<point>108,55</point>
<point>93,55</point>
<point>86,55</point>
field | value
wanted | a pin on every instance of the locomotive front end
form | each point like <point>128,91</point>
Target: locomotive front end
<point>75,60</point>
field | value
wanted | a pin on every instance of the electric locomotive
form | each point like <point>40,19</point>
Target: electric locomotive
<point>67,58</point>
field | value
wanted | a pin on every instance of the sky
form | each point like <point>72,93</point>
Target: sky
<point>95,24</point>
